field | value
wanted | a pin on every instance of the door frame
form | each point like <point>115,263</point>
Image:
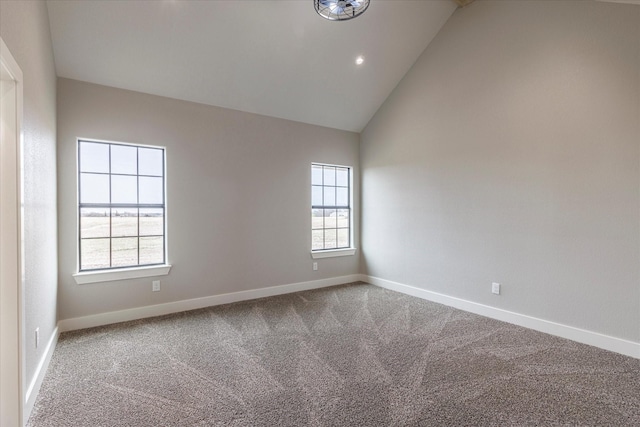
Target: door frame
<point>12,355</point>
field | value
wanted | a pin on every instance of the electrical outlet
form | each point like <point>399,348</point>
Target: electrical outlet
<point>37,337</point>
<point>315,266</point>
<point>155,286</point>
<point>495,288</point>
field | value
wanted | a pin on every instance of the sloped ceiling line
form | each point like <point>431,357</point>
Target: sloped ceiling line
<point>275,58</point>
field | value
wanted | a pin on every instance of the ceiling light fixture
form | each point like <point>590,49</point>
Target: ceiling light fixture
<point>359,60</point>
<point>340,10</point>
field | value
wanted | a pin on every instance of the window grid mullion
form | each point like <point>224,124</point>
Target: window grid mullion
<point>110,216</point>
<point>349,202</point>
<point>122,174</point>
<point>138,198</point>
<point>324,215</point>
<point>79,153</point>
<point>164,219</point>
<point>336,210</point>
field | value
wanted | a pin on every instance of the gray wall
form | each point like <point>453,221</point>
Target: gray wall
<point>24,27</point>
<point>238,191</point>
<point>510,153</point>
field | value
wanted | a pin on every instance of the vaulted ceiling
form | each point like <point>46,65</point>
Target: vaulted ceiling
<point>276,58</point>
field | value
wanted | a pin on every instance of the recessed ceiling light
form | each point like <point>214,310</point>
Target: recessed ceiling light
<point>360,60</point>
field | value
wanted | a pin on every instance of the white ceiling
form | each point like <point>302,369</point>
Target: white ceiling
<point>276,58</point>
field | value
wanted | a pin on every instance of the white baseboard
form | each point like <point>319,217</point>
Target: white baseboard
<point>38,376</point>
<point>192,304</point>
<point>618,345</point>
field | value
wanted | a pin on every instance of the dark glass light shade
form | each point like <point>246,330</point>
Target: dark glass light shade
<point>340,10</point>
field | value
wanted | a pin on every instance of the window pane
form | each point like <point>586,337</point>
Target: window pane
<point>124,251</point>
<point>329,196</point>
<point>94,188</point>
<point>343,218</point>
<point>316,196</point>
<point>151,190</point>
<point>124,159</point>
<point>316,175</point>
<point>94,157</point>
<point>343,238</point>
<point>317,240</point>
<point>124,189</point>
<point>317,221</point>
<point>329,218</point>
<point>342,177</point>
<point>151,222</point>
<point>330,239</point>
<point>94,253</point>
<point>342,196</point>
<point>94,223</point>
<point>329,175</point>
<point>150,161</point>
<point>151,250</point>
<point>124,222</point>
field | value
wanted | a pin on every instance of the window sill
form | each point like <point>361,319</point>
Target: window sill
<point>121,274</point>
<point>331,253</point>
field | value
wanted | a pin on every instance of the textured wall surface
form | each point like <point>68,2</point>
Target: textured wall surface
<point>510,153</point>
<point>238,192</point>
<point>24,27</point>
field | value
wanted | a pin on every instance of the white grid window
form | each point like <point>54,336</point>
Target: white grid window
<point>330,207</point>
<point>121,207</point>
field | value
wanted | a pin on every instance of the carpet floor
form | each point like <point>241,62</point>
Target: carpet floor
<point>350,355</point>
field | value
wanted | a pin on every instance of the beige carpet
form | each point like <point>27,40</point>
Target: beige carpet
<point>351,355</point>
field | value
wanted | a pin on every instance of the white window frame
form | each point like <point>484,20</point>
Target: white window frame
<point>120,273</point>
<point>331,253</point>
